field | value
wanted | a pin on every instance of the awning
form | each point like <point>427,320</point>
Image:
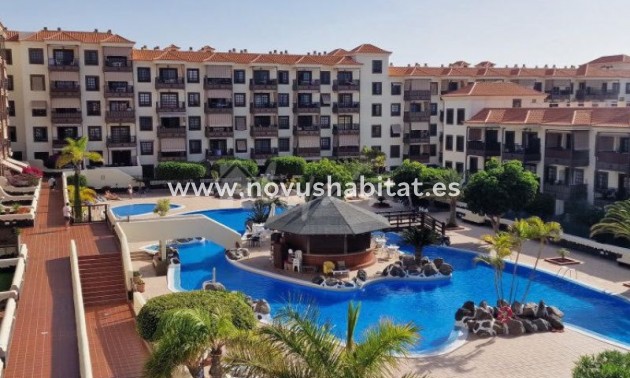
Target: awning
<point>39,104</point>
<point>396,129</point>
<point>173,145</point>
<point>12,166</point>
<point>17,162</point>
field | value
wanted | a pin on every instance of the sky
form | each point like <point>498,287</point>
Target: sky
<point>506,32</point>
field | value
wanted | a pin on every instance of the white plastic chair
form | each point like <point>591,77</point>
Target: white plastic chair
<point>297,261</point>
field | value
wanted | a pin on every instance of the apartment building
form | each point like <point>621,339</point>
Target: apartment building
<point>5,143</point>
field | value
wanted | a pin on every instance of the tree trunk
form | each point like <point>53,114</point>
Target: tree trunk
<point>452,218</point>
<point>216,370</point>
<point>495,221</point>
<point>418,253</point>
<point>78,211</point>
<point>531,274</point>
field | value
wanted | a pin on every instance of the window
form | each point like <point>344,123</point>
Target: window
<point>8,56</point>
<point>39,112</point>
<point>43,156</point>
<point>377,88</point>
<point>552,174</point>
<point>395,131</point>
<point>516,103</point>
<point>36,56</point>
<point>284,144</point>
<point>241,145</point>
<point>448,164</point>
<point>601,180</point>
<point>93,108</point>
<point>377,66</point>
<point>376,110</point>
<point>144,75</point>
<point>146,147</point>
<point>396,89</point>
<point>461,116</point>
<point>324,77</point>
<point>459,167</point>
<point>194,99</point>
<point>283,77</point>
<point>324,99</point>
<point>324,143</point>
<point>144,99</point>
<point>91,57</point>
<point>38,83</point>
<point>449,116</point>
<point>40,134</point>
<point>624,145</point>
<point>240,123</point>
<point>239,99</point>
<point>194,123</point>
<point>283,100</point>
<point>239,76</point>
<point>11,108</point>
<point>578,176</point>
<point>324,122</point>
<point>376,148</point>
<point>433,150</point>
<point>95,134</point>
<point>459,143</point>
<point>376,131</point>
<point>283,122</point>
<point>627,88</point>
<point>433,88</point>
<point>449,143</point>
<point>146,123</point>
<point>10,82</point>
<point>434,108</point>
<point>91,83</point>
<point>394,151</point>
<point>432,129</point>
<point>395,108</point>
<point>192,75</point>
<point>194,146</point>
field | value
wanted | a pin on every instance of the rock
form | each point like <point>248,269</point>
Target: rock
<point>542,325</point>
<point>470,324</point>
<point>529,325</point>
<point>529,310</point>
<point>515,327</point>
<point>429,269</point>
<point>552,310</point>
<point>424,261</point>
<point>555,321</point>
<point>517,308</point>
<point>387,269</point>
<point>318,280</point>
<point>415,269</point>
<point>262,307</point>
<point>484,328</point>
<point>397,272</point>
<point>499,328</point>
<point>398,264</point>
<point>332,282</point>
<point>214,286</point>
<point>438,262</point>
<point>243,252</point>
<point>542,310</point>
<point>445,269</point>
<point>407,260</point>
<point>501,303</point>
<point>362,275</point>
<point>483,304</point>
<point>462,313</point>
<point>233,254</point>
<point>483,314</point>
<point>470,306</point>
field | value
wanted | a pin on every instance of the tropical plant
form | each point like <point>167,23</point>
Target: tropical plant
<point>615,222</point>
<point>323,170</point>
<point>519,231</point>
<point>607,364</point>
<point>278,202</point>
<point>85,194</point>
<point>419,237</point>
<point>259,212</point>
<point>375,157</point>
<point>74,153</point>
<point>179,170</point>
<point>297,344</point>
<point>500,246</point>
<point>162,207</point>
<point>543,232</point>
<point>563,253</point>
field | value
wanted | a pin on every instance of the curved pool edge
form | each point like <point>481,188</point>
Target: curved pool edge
<point>177,207</point>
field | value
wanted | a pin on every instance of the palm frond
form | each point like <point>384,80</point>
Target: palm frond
<point>616,221</point>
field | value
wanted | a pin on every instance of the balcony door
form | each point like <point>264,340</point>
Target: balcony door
<point>305,98</point>
<point>345,120</point>
<point>218,146</point>
<point>262,145</point>
<point>623,186</point>
<point>168,75</point>
<point>169,100</point>
<point>261,99</point>
<point>63,57</point>
<point>510,142</point>
<point>121,158</point>
<point>304,77</point>
<point>473,166</point>
<point>345,99</point>
<point>117,106</point>
<point>261,76</point>
<point>262,121</point>
<point>492,137</point>
<point>344,77</point>
<point>67,132</point>
<point>121,134</point>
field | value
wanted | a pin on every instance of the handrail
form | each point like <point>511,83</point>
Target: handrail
<point>6,327</point>
<point>125,256</point>
<point>85,362</point>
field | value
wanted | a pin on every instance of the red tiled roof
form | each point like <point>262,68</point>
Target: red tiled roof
<point>65,35</point>
<point>338,52</point>
<point>12,35</point>
<point>621,58</point>
<point>494,89</point>
<point>598,117</point>
<point>367,48</point>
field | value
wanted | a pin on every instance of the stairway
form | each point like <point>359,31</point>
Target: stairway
<point>140,256</point>
<point>102,279</point>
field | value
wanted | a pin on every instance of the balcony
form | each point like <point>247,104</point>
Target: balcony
<point>306,108</point>
<point>172,156</point>
<point>218,108</point>
<point>61,65</point>
<point>517,152</point>
<point>559,95</point>
<point>119,92</point>
<point>567,157</point>
<point>421,137</point>
<point>590,94</point>
<point>346,151</point>
<point>312,130</point>
<point>219,153</point>
<point>346,107</point>
<point>66,117</point>
<point>613,161</point>
<point>264,131</point>
<point>312,85</point>
<point>210,83</point>
<point>128,141</point>
<point>168,107</point>
<point>264,153</point>
<point>117,65</point>
<point>58,143</point>
<point>219,132</point>
<point>486,149</point>
<point>346,85</point>
<point>120,116</point>
<point>264,108</point>
<point>417,95</point>
<point>263,85</point>
<point>347,129</point>
<point>422,116</point>
<point>420,158</point>
<point>307,151</point>
<point>171,132</point>
<point>65,90</point>
<point>565,192</point>
<point>169,83</point>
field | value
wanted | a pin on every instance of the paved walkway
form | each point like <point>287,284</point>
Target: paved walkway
<point>44,343</point>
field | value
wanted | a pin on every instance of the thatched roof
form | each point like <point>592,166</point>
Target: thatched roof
<point>327,216</point>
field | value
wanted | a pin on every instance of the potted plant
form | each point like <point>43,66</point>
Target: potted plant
<point>162,207</point>
<point>137,277</point>
<point>563,258</point>
<point>140,285</point>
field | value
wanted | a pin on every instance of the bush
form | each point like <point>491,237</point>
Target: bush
<point>225,165</point>
<point>232,304</point>
<point>608,364</point>
<point>180,170</point>
<point>286,165</point>
<point>543,205</point>
<point>33,171</point>
<point>82,180</point>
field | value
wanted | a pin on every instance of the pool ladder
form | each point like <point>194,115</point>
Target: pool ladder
<point>564,271</point>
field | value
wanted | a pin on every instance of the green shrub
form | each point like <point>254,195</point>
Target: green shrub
<point>543,205</point>
<point>231,304</point>
<point>82,180</point>
<point>180,170</point>
<point>608,364</point>
<point>286,165</point>
<point>222,166</point>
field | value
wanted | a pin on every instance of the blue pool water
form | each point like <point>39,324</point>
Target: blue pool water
<point>136,209</point>
<point>430,305</point>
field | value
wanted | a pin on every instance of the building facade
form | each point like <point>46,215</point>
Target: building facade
<point>5,146</point>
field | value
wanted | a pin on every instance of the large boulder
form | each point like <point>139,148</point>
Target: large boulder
<point>469,305</point>
<point>424,260</point>
<point>445,269</point>
<point>318,280</point>
<point>387,269</point>
<point>552,310</point>
<point>483,314</point>
<point>262,307</point>
<point>462,313</point>
<point>529,325</point>
<point>529,310</point>
<point>233,254</point>
<point>214,286</point>
<point>484,328</point>
<point>555,321</point>
<point>517,308</point>
<point>429,270</point>
<point>332,281</point>
<point>500,328</point>
<point>407,260</point>
<point>542,325</point>
<point>542,310</point>
<point>515,327</point>
<point>362,275</point>
<point>397,272</point>
<point>438,262</point>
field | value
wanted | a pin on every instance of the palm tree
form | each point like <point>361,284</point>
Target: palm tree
<point>259,212</point>
<point>418,237</point>
<point>184,337</point>
<point>162,207</point>
<point>500,246</point>
<point>85,194</point>
<point>297,346</point>
<point>74,153</point>
<point>615,222</point>
<point>518,230</point>
<point>543,232</point>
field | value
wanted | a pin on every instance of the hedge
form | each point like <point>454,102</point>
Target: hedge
<point>82,180</point>
<point>286,165</point>
<point>180,170</point>
<point>222,166</point>
<point>232,304</point>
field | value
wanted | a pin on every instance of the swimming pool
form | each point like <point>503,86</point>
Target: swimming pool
<point>431,305</point>
<point>136,209</point>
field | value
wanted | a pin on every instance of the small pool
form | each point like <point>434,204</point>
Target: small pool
<point>136,209</point>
